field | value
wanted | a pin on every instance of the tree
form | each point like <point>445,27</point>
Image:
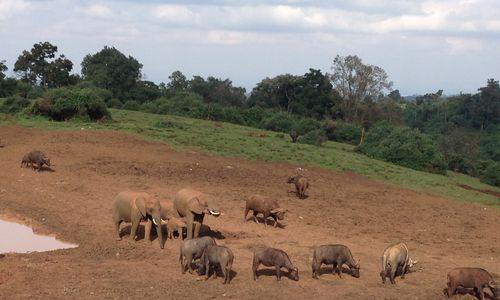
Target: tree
<point>39,66</point>
<point>3,69</point>
<point>487,105</point>
<point>357,82</point>
<point>277,92</point>
<point>178,83</point>
<point>112,70</point>
<point>215,90</point>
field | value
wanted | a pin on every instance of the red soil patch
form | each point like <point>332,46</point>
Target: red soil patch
<point>91,167</point>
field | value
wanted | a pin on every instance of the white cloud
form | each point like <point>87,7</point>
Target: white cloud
<point>175,14</point>
<point>460,46</point>
<point>98,10</point>
<point>10,7</point>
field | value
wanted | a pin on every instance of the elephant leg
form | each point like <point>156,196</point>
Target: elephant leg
<point>197,227</point>
<point>147,230</point>
<point>393,275</point>
<point>117,230</point>
<point>189,234</point>
<point>207,270</point>
<point>133,230</point>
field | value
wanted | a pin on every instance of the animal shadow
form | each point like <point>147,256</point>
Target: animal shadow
<point>205,230</point>
<point>270,222</point>
<point>44,169</point>
<point>333,271</point>
<point>466,291</point>
<point>271,272</point>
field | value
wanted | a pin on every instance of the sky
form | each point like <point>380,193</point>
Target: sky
<point>423,45</point>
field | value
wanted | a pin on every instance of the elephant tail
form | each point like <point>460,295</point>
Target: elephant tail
<point>180,254</point>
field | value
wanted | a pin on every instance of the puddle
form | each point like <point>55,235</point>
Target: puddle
<point>21,239</point>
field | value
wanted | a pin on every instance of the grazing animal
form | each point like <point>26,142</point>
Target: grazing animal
<point>471,278</point>
<point>294,136</point>
<point>193,206</point>
<point>36,157</point>
<point>175,224</point>
<point>192,249</point>
<point>265,206</point>
<point>217,255</point>
<point>134,207</point>
<point>301,184</point>
<point>396,257</point>
<point>271,257</point>
<point>337,255</point>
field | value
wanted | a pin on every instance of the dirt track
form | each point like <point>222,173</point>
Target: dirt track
<point>91,167</point>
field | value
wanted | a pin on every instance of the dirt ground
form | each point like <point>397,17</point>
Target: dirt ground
<point>74,203</point>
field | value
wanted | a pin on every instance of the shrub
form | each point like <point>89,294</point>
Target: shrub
<point>316,137</point>
<point>403,146</point>
<point>343,132</point>
<point>65,103</point>
<point>14,104</point>
<point>491,174</point>
<point>148,107</point>
<point>114,103</point>
<point>131,105</point>
<point>278,122</point>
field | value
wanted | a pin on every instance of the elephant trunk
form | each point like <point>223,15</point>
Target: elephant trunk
<point>158,222</point>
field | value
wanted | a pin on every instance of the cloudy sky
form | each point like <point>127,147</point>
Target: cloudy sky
<point>423,45</point>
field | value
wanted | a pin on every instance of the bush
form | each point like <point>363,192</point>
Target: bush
<point>403,146</point>
<point>343,132</point>
<point>14,104</point>
<point>316,137</point>
<point>131,105</point>
<point>491,174</point>
<point>65,103</point>
<point>114,103</point>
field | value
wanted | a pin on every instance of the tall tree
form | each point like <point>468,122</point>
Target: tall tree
<point>216,90</point>
<point>178,83</point>
<point>40,66</point>
<point>277,92</point>
<point>112,70</point>
<point>487,105</point>
<point>3,69</point>
<point>357,82</point>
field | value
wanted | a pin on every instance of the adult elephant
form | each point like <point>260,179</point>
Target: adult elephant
<point>134,207</point>
<point>193,206</point>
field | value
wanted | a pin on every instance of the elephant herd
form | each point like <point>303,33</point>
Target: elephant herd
<point>189,207</point>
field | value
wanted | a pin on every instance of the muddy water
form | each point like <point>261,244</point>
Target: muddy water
<point>18,238</point>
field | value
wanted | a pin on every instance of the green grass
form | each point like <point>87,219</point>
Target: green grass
<point>235,140</point>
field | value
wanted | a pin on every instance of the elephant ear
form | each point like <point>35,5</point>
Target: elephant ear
<point>195,206</point>
<point>140,203</point>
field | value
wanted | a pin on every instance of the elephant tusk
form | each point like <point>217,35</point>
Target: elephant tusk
<point>155,222</point>
<point>163,221</point>
<point>214,213</point>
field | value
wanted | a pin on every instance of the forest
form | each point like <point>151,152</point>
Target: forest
<point>354,103</point>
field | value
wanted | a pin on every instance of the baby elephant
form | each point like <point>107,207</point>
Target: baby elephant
<point>192,249</point>
<point>35,157</point>
<point>217,255</point>
<point>471,278</point>
<point>301,185</point>
<point>396,258</point>
<point>265,206</point>
<point>337,255</point>
<point>175,224</point>
<point>271,257</point>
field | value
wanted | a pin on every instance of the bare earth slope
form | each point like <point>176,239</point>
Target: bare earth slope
<point>91,167</point>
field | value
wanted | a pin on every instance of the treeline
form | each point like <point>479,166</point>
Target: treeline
<point>354,104</point>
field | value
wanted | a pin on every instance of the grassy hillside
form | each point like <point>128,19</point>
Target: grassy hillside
<point>233,140</point>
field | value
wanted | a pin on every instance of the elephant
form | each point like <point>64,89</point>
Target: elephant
<point>166,212</point>
<point>193,205</point>
<point>134,207</point>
